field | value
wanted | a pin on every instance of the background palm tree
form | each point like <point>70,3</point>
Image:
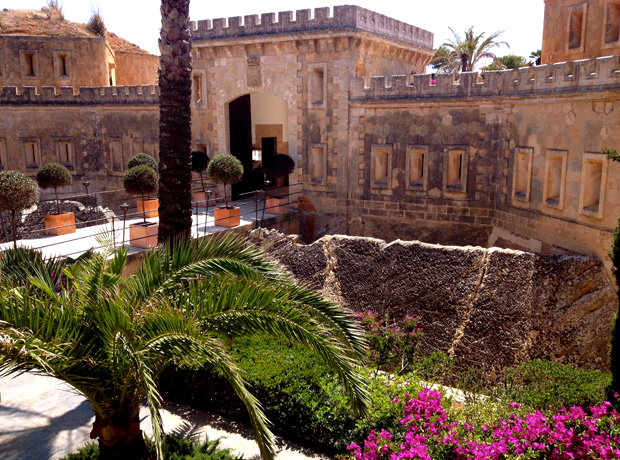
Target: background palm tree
<point>175,133</point>
<point>110,337</point>
<point>465,53</point>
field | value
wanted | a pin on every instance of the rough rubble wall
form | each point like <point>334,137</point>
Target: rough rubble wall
<point>489,308</point>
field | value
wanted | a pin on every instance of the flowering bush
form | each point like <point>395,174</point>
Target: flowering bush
<point>393,347</point>
<point>428,433</point>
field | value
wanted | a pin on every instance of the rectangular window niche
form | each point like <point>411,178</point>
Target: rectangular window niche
<point>3,161</point>
<point>32,153</point>
<point>593,185</point>
<point>455,169</point>
<point>612,23</point>
<point>576,27</point>
<point>66,153</point>
<point>416,170</point>
<point>29,63</point>
<point>381,166</point>
<point>317,164</point>
<point>62,64</point>
<point>522,174</point>
<point>136,146</point>
<point>317,86</point>
<point>555,179</point>
<point>116,154</point>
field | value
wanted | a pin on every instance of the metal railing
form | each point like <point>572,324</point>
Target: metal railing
<point>94,204</point>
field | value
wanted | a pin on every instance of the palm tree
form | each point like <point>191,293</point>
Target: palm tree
<point>175,133</point>
<point>466,53</point>
<point>110,337</point>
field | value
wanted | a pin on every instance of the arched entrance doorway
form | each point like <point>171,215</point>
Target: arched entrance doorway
<point>258,122</point>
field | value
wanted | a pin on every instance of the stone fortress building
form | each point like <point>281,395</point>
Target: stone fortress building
<point>513,160</point>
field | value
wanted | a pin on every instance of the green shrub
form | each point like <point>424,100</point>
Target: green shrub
<point>549,386</point>
<point>225,169</point>
<point>54,175</point>
<point>279,165</point>
<point>141,180</point>
<point>17,192</point>
<point>174,449</point>
<point>303,400</point>
<point>200,162</point>
<point>142,159</point>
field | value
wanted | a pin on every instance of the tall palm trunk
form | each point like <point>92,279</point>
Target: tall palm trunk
<point>175,134</point>
<point>120,438</point>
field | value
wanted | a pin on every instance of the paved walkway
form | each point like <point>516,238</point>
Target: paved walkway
<point>84,239</point>
<point>41,418</point>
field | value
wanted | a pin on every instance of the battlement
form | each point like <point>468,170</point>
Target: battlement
<point>586,75</point>
<point>344,18</point>
<point>85,95</point>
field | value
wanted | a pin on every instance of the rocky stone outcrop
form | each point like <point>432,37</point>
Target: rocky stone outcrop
<point>488,308</point>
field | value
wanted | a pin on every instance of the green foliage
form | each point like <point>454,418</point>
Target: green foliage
<point>279,165</point>
<point>174,449</point>
<point>200,161</point>
<point>142,159</point>
<point>512,61</point>
<point>140,180</point>
<point>549,386</point>
<point>536,57</point>
<point>110,337</point>
<point>225,169</point>
<point>54,175</point>
<point>392,347</point>
<point>17,191</point>
<point>612,154</point>
<point>300,394</point>
<point>465,53</point>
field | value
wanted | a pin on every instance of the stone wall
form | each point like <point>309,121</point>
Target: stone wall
<point>135,68</point>
<point>99,129</point>
<point>578,29</point>
<point>85,61</point>
<point>513,160</point>
<point>488,308</point>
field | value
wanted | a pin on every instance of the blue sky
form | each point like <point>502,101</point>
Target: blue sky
<point>138,20</point>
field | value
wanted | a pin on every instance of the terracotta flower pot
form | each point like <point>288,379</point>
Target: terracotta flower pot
<point>149,207</point>
<point>276,205</point>
<point>66,222</point>
<point>227,217</point>
<point>143,235</point>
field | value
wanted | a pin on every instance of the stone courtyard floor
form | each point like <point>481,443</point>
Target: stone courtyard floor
<point>41,418</point>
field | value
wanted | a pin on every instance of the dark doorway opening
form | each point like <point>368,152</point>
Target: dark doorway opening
<point>269,146</point>
<point>240,118</point>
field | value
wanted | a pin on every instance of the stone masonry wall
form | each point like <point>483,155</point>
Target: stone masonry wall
<point>488,308</point>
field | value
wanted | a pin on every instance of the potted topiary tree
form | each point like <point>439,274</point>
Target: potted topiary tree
<point>278,166</point>
<point>226,169</point>
<point>150,206</point>
<point>142,180</point>
<point>54,175</point>
<point>17,192</point>
<point>200,161</point>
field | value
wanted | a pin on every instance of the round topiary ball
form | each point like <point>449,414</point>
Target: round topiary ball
<point>53,175</point>
<point>279,165</point>
<point>225,169</point>
<point>140,180</point>
<point>200,161</point>
<point>142,159</point>
<point>17,191</point>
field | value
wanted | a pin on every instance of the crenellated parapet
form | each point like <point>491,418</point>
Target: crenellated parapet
<point>586,75</point>
<point>344,18</point>
<point>85,95</point>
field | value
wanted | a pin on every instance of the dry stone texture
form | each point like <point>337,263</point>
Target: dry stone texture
<point>489,308</point>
